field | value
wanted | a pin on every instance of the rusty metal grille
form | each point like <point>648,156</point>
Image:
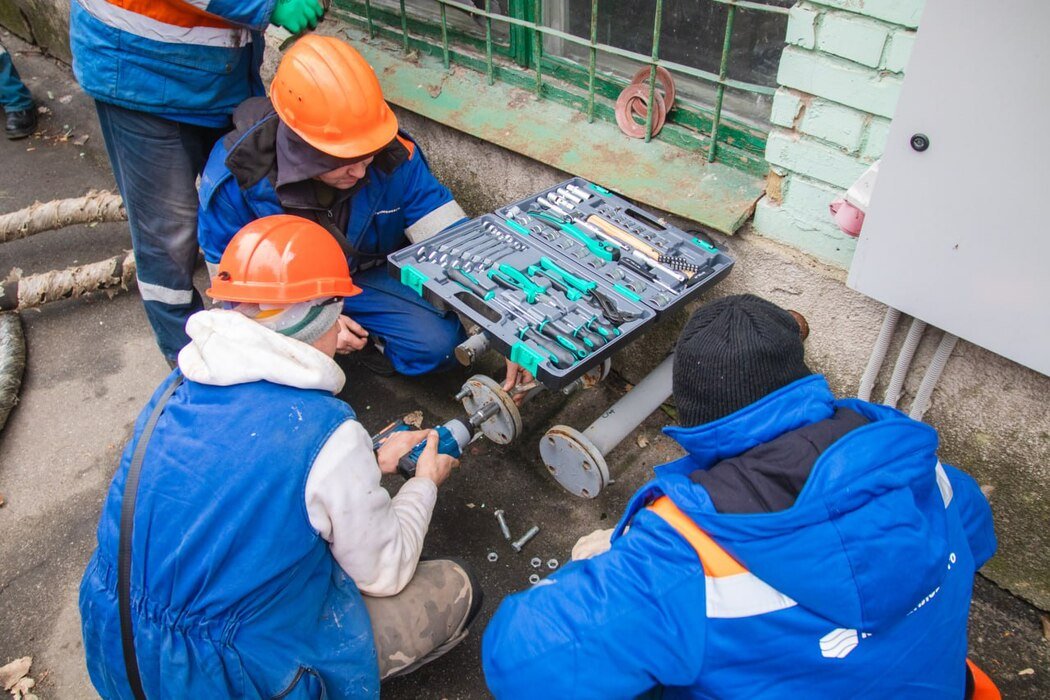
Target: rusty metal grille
<point>578,52</point>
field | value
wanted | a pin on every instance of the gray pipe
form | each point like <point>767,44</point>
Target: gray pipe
<point>900,370</point>
<point>878,353</point>
<point>933,374</point>
<point>626,414</point>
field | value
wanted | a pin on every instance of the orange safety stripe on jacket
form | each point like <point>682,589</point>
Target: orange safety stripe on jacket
<point>983,686</point>
<point>174,12</point>
<point>716,561</point>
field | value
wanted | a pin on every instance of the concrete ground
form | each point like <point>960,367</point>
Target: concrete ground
<point>92,365</point>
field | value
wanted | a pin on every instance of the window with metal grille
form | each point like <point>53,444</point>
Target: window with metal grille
<point>723,55</point>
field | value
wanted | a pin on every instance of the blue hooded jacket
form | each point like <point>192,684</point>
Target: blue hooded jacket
<point>860,589</point>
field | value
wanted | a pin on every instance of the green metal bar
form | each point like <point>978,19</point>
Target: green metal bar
<point>368,18</point>
<point>520,24</point>
<point>444,36</point>
<point>723,68</point>
<point>404,27</point>
<point>353,10</point>
<point>537,43</point>
<point>657,21</point>
<point>488,43</point>
<point>593,61</point>
<point>760,7</point>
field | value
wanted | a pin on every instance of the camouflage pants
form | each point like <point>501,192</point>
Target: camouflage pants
<point>426,619</point>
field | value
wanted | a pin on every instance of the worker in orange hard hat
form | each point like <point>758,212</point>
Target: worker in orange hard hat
<point>325,146</point>
<point>246,547</point>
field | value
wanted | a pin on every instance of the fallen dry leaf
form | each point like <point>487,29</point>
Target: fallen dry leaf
<point>415,419</point>
<point>81,140</point>
<point>642,441</point>
<point>65,99</point>
<point>14,671</point>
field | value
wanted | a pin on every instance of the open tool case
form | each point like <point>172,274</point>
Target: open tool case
<point>556,290</point>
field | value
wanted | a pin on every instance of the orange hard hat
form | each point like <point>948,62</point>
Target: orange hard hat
<point>326,92</point>
<point>282,259</point>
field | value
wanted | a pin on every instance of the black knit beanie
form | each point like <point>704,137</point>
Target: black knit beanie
<point>731,353</point>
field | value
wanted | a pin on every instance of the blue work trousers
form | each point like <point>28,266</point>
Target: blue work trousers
<point>418,338</point>
<point>156,162</point>
<point>14,95</point>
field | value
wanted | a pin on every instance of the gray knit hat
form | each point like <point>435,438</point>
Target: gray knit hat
<point>731,353</point>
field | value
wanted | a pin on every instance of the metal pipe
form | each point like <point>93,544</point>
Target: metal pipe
<point>471,349</point>
<point>900,370</point>
<point>627,414</point>
<point>878,353</point>
<point>577,460</point>
<point>933,374</point>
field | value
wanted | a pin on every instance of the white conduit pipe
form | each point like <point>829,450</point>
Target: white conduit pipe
<point>878,353</point>
<point>900,370</point>
<point>933,374</point>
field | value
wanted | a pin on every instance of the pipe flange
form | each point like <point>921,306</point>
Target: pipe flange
<point>501,428</point>
<point>574,461</point>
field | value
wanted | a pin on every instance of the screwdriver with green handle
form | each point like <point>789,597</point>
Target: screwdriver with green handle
<point>544,325</point>
<point>558,356</point>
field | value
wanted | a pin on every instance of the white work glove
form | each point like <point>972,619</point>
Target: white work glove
<point>598,542</point>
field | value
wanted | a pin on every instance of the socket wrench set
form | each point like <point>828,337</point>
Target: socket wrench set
<point>537,307</point>
<point>641,256</point>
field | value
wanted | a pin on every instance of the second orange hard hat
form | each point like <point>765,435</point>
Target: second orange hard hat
<point>326,92</point>
<point>282,259</point>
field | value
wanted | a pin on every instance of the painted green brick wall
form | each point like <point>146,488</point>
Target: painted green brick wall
<point>840,76</point>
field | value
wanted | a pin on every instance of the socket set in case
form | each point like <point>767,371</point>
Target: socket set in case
<point>536,307</point>
<point>642,257</point>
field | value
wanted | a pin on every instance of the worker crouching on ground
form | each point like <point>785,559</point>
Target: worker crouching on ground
<point>803,548</point>
<point>327,148</point>
<point>260,519</point>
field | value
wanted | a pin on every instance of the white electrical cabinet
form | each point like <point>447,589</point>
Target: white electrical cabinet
<point>958,233</point>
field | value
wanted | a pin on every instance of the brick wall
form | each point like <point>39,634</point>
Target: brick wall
<point>840,77</point>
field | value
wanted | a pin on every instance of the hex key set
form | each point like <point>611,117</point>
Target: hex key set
<point>563,279</point>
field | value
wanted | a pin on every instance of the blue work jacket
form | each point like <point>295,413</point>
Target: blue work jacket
<point>398,196</point>
<point>169,57</point>
<point>233,593</point>
<point>860,589</point>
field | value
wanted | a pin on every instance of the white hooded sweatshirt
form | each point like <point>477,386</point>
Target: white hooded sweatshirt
<point>376,539</point>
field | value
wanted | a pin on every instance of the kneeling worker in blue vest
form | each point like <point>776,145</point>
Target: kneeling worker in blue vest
<point>246,548</point>
<point>805,547</point>
<point>325,146</point>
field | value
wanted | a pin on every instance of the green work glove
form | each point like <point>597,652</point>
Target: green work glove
<point>296,15</point>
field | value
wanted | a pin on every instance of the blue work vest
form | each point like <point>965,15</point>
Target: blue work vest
<point>233,593</point>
